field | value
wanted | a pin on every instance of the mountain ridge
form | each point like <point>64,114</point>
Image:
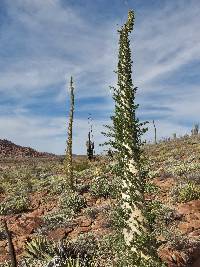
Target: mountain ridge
<point>10,149</point>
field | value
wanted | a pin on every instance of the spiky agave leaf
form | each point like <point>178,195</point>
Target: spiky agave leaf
<point>39,248</point>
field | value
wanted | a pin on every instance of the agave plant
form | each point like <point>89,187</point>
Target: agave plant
<point>63,254</point>
<point>39,248</point>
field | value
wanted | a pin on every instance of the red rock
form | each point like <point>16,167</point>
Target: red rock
<point>188,227</point>
<point>3,244</point>
<point>82,229</point>
<point>195,233</point>
<point>171,257</point>
<point>189,207</point>
<point>57,234</point>
<point>192,216</point>
<point>86,222</point>
<point>194,253</point>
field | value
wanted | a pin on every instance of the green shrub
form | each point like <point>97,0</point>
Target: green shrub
<point>92,212</point>
<point>150,188</point>
<point>159,214</point>
<point>186,192</point>
<point>81,166</point>
<point>114,252</point>
<point>72,202</point>
<point>117,217</point>
<point>54,220</point>
<point>102,186</point>
<point>154,210</point>
<point>14,204</point>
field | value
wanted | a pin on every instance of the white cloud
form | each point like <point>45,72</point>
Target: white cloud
<point>166,40</point>
<point>49,134</point>
<point>59,42</point>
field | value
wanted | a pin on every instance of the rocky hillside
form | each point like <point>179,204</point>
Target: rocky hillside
<point>41,212</point>
<point>9,149</point>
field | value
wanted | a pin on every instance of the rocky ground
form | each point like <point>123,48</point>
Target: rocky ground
<point>34,202</point>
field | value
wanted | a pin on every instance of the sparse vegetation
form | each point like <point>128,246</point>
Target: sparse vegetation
<point>175,162</point>
<point>103,186</point>
<point>112,212</point>
<point>14,204</point>
<point>71,202</point>
<point>185,192</point>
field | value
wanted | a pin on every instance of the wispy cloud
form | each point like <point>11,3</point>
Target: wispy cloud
<point>166,39</point>
<point>43,43</point>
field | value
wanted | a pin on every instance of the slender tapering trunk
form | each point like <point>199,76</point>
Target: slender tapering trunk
<point>68,159</point>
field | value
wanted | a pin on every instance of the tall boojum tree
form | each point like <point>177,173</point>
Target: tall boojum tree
<point>126,132</point>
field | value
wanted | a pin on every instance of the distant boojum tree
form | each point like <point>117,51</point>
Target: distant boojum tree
<point>68,158</point>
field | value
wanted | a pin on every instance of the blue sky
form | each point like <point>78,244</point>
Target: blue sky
<point>43,43</point>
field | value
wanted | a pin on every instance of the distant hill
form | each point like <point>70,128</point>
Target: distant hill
<point>9,149</point>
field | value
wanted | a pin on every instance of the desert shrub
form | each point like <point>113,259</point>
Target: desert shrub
<point>114,252</point>
<point>105,254</point>
<point>71,202</point>
<point>193,176</point>
<point>55,184</point>
<point>153,211</point>
<point>14,204</point>
<point>117,217</point>
<point>160,217</point>
<point>5,264</point>
<point>102,186</point>
<point>23,186</point>
<point>182,169</point>
<point>42,184</point>
<point>154,173</point>
<point>81,165</point>
<point>175,239</point>
<point>82,188</point>
<point>85,244</point>
<point>186,192</point>
<point>54,220</point>
<point>151,188</point>
<point>91,212</point>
